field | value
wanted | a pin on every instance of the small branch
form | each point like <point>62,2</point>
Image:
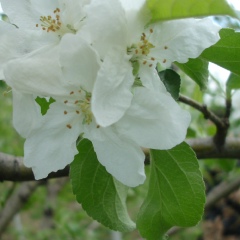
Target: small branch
<point>221,124</point>
<point>203,109</point>
<point>13,169</point>
<point>222,190</point>
<point>15,203</point>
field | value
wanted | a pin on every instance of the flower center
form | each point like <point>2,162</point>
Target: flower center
<point>85,106</point>
<point>54,24</point>
<point>140,53</point>
<point>82,105</point>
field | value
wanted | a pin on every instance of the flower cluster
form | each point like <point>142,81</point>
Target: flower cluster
<point>97,60</point>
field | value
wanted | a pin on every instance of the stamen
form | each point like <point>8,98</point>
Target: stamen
<point>165,60</point>
<point>69,126</point>
<point>65,112</point>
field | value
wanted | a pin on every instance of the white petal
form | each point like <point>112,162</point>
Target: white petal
<point>105,25</point>
<point>53,145</point>
<point>121,157</point>
<point>150,79</point>
<point>72,12</point>
<point>112,92</point>
<point>179,40</point>
<point>38,73</point>
<point>26,113</point>
<point>15,43</point>
<point>154,120</point>
<point>79,62</point>
<point>138,15</point>
<point>20,13</point>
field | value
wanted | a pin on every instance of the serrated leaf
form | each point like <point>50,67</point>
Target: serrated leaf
<point>172,82</point>
<point>176,194</point>
<point>44,104</point>
<point>101,196</point>
<point>173,9</point>
<point>226,52</point>
<point>197,70</point>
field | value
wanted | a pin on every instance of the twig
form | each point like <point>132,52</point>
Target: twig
<point>222,124</point>
<point>203,109</point>
<point>15,203</point>
<point>13,169</point>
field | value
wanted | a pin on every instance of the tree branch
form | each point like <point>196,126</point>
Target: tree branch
<point>203,109</point>
<point>222,124</point>
<point>13,169</point>
<point>15,203</point>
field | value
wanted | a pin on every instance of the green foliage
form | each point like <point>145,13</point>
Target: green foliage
<point>101,196</point>
<point>172,82</point>
<point>233,83</point>
<point>44,104</point>
<point>176,193</point>
<point>226,52</point>
<point>197,70</point>
<point>173,9</point>
<point>10,141</point>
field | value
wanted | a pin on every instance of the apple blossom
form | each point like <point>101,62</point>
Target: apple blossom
<point>122,29</point>
<point>35,26</point>
<point>153,120</point>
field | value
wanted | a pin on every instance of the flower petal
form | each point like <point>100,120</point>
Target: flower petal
<point>53,145</point>
<point>154,120</point>
<point>26,113</point>
<point>105,25</point>
<point>79,62</point>
<point>179,40</point>
<point>21,13</point>
<point>121,157</point>
<point>38,73</point>
<point>15,43</point>
<point>112,95</point>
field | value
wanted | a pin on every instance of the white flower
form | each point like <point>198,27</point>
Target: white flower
<point>117,31</point>
<point>36,26</point>
<point>153,120</point>
<point>51,141</point>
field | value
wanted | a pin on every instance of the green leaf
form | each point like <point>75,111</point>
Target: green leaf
<point>176,194</point>
<point>172,82</point>
<point>101,196</point>
<point>197,70</point>
<point>226,52</point>
<point>44,104</point>
<point>233,82</point>
<point>172,9</point>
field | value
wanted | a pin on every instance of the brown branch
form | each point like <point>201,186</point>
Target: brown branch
<point>15,203</point>
<point>222,124</point>
<point>203,109</point>
<point>13,169</point>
